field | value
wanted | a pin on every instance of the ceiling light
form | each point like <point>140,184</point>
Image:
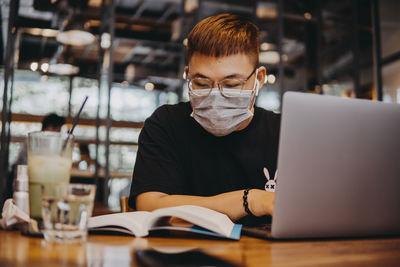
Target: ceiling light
<point>130,72</point>
<point>63,69</point>
<point>271,79</point>
<point>34,66</point>
<point>191,5</point>
<point>149,86</point>
<point>75,37</point>
<point>34,31</point>
<point>41,32</point>
<point>307,16</point>
<point>49,33</point>
<point>141,50</point>
<point>266,10</point>
<point>269,57</point>
<point>105,42</point>
<point>176,29</point>
<point>266,46</point>
<point>44,67</point>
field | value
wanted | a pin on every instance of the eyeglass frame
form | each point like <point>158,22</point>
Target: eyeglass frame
<point>242,81</point>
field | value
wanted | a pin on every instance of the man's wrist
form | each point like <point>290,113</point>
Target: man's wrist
<point>246,201</point>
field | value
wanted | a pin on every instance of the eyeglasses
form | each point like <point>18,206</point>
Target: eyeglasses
<point>203,86</point>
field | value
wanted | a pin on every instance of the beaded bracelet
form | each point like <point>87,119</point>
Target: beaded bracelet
<point>245,203</point>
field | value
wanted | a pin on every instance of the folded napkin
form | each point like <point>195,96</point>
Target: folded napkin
<point>13,215</point>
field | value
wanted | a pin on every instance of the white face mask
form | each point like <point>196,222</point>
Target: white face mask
<point>222,115</point>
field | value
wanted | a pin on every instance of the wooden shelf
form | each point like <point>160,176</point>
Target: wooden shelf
<point>76,173</point>
<point>82,122</point>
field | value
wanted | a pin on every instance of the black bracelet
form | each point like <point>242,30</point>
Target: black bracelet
<point>245,203</point>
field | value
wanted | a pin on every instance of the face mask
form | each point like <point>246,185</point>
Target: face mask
<point>222,115</point>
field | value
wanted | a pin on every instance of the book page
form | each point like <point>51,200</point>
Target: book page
<point>203,217</point>
<point>135,222</point>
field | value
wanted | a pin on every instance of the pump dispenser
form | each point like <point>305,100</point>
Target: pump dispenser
<point>21,195</point>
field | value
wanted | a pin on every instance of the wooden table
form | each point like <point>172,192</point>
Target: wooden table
<point>117,251</point>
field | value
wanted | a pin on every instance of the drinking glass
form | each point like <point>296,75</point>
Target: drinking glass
<point>66,209</point>
<point>49,163</point>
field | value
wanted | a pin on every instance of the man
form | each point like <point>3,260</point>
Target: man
<point>52,123</point>
<point>209,151</point>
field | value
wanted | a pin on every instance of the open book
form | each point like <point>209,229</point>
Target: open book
<point>182,218</point>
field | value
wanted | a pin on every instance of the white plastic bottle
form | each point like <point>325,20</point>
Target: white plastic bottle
<point>21,194</point>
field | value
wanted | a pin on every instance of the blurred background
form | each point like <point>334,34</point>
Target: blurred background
<point>128,56</point>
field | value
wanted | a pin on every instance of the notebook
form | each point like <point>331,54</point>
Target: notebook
<point>338,169</point>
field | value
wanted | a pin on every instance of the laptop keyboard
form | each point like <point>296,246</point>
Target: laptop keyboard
<point>260,231</point>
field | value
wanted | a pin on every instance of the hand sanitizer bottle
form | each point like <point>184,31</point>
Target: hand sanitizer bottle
<point>21,195</point>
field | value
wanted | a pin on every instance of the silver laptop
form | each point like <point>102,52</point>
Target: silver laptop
<point>338,168</point>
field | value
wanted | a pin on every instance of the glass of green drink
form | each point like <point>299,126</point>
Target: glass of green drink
<point>49,163</point>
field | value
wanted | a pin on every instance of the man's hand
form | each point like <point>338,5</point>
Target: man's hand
<point>261,202</point>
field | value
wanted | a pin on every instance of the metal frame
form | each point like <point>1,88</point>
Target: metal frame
<point>319,44</point>
<point>356,50</point>
<point>377,49</point>
<point>7,99</point>
<point>105,78</point>
<point>281,67</point>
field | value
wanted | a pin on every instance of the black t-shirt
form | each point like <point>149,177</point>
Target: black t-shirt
<point>177,156</point>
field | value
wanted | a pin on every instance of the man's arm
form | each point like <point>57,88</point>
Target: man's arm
<point>260,202</point>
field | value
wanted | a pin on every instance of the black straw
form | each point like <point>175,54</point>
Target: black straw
<point>76,119</point>
<point>74,123</point>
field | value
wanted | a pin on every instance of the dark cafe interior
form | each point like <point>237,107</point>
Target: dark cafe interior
<point>151,132</point>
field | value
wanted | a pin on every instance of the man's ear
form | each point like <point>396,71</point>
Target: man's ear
<point>262,72</point>
<point>185,73</point>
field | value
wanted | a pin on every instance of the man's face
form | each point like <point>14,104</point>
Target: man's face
<point>238,66</point>
<point>215,69</point>
<point>206,71</point>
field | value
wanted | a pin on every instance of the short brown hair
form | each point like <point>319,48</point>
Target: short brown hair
<point>224,35</point>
